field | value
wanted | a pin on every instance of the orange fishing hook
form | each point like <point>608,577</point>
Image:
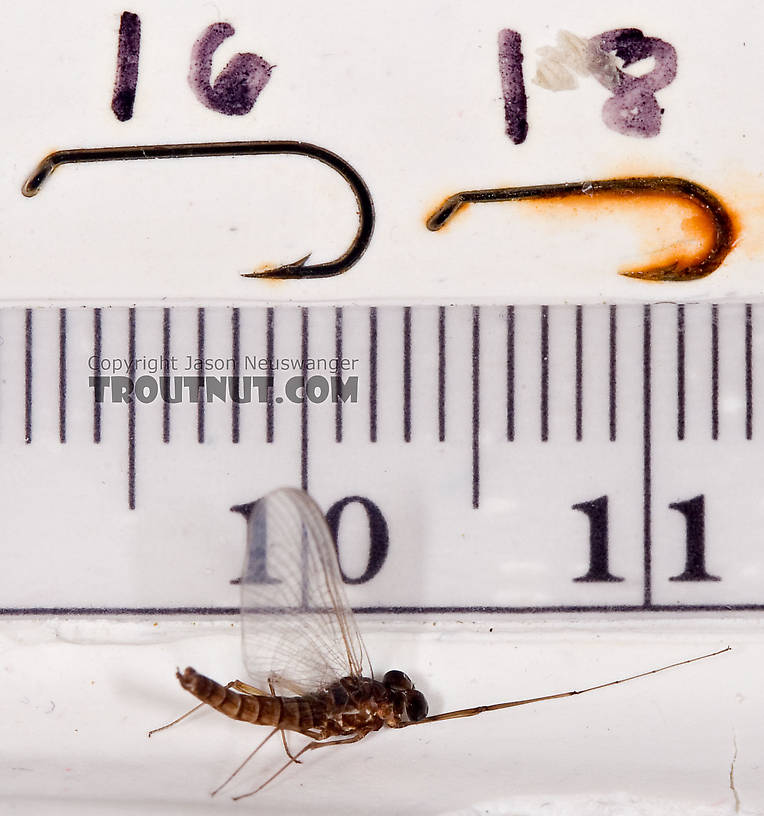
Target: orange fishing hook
<point>723,231</point>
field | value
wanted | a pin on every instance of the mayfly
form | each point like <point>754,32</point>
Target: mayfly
<point>302,646</point>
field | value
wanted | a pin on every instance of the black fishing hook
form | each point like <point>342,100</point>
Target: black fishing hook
<point>298,269</point>
<point>723,237</point>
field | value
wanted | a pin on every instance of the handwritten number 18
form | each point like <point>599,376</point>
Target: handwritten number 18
<point>632,110</point>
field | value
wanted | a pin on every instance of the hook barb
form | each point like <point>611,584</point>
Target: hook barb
<point>681,269</point>
<point>298,269</point>
<point>290,270</point>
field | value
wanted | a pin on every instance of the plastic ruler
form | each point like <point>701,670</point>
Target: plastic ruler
<point>580,458</point>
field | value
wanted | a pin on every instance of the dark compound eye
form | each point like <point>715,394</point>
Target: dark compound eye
<point>416,706</point>
<point>397,680</point>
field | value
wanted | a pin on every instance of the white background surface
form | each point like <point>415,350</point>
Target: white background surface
<point>660,745</point>
<point>410,96</point>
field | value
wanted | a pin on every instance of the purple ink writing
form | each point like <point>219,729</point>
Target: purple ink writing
<point>633,109</point>
<point>128,54</point>
<point>513,85</point>
<point>238,85</point>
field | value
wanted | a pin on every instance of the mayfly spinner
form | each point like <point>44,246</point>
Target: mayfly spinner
<point>301,643</point>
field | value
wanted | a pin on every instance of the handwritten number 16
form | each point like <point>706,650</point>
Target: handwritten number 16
<point>234,91</point>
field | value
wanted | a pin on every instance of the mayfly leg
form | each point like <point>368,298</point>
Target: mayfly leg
<point>234,684</point>
<point>220,787</point>
<point>283,732</point>
<point>279,771</point>
<point>175,721</point>
<point>245,688</point>
<point>286,748</point>
<point>311,746</point>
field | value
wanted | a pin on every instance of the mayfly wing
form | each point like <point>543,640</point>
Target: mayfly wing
<point>298,631</point>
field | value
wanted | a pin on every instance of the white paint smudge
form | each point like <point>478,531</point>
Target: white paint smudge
<point>558,64</point>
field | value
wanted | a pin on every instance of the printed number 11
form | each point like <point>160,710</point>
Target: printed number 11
<point>693,510</point>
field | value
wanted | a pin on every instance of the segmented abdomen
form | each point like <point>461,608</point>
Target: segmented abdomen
<point>289,713</point>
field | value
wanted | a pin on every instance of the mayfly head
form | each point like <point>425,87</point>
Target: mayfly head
<point>404,696</point>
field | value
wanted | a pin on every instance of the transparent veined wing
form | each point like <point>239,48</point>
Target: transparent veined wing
<point>298,631</point>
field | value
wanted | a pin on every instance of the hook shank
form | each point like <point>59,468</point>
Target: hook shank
<point>297,269</point>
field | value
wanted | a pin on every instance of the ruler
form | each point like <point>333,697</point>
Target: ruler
<point>470,458</point>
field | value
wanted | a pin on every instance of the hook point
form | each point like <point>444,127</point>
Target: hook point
<point>297,269</point>
<point>671,273</point>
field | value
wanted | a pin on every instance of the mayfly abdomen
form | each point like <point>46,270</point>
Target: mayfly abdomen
<point>249,708</point>
<point>287,713</point>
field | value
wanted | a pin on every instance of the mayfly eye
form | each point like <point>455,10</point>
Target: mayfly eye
<point>416,706</point>
<point>397,680</point>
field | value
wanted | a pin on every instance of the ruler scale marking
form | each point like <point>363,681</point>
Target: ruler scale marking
<point>613,372</point>
<point>166,345</point>
<point>236,355</point>
<point>338,314</point>
<point>579,372</point>
<point>714,371</point>
<point>28,376</point>
<point>475,407</point>
<point>647,451</point>
<point>748,371</point>
<point>680,373</point>
<point>269,344</point>
<point>229,611</point>
<point>544,374</point>
<point>373,374</point>
<point>407,374</point>
<point>131,412</point>
<point>510,373</point>
<point>201,395</point>
<point>441,373</point>
<point>304,406</point>
<point>97,340</point>
<point>62,376</point>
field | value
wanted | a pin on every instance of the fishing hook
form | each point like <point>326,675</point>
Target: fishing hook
<point>297,269</point>
<point>678,270</point>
